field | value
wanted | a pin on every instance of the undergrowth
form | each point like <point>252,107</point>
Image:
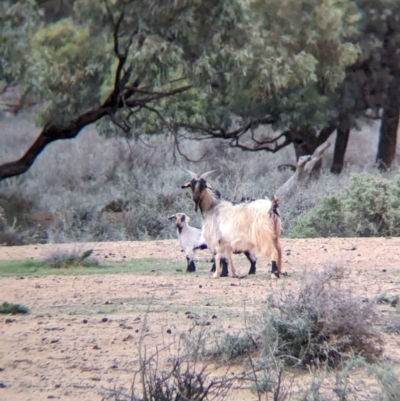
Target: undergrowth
<point>60,259</point>
<point>369,207</point>
<point>9,308</point>
<point>100,189</point>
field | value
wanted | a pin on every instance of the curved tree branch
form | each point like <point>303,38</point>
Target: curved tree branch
<point>122,96</point>
<point>50,133</point>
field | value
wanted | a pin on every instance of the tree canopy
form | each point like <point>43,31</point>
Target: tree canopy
<point>203,69</point>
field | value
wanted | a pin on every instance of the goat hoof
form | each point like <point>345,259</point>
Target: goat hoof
<point>215,275</point>
<point>234,276</point>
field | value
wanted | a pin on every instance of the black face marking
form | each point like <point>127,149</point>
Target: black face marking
<point>183,218</point>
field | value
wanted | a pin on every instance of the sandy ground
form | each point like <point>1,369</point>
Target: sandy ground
<point>80,340</point>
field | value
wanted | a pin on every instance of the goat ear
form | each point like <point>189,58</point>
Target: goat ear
<point>208,186</point>
<point>173,217</point>
<point>187,185</point>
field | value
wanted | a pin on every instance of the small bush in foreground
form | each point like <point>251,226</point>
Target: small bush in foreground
<point>74,258</point>
<point>234,346</point>
<point>368,208</point>
<point>388,380</point>
<point>322,322</point>
<point>8,308</point>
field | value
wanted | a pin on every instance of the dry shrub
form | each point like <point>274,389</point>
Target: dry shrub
<point>322,322</point>
<point>60,259</point>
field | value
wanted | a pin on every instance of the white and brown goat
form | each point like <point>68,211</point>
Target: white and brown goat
<point>252,226</point>
<point>190,239</point>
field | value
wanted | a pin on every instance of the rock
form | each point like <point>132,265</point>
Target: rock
<point>2,385</point>
<point>169,331</point>
<point>9,320</point>
<point>84,321</point>
<point>104,320</point>
<point>54,340</point>
<point>96,347</point>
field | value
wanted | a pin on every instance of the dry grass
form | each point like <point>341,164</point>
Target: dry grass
<point>78,180</point>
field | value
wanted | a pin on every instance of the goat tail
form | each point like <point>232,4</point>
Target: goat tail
<point>275,216</point>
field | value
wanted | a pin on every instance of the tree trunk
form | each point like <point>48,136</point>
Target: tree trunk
<point>305,166</point>
<point>307,140</point>
<point>389,125</point>
<point>342,138</point>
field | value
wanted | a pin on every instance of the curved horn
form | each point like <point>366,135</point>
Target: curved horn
<point>193,175</point>
<point>206,174</point>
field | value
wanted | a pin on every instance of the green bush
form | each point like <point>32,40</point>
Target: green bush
<point>370,207</point>
<point>8,308</point>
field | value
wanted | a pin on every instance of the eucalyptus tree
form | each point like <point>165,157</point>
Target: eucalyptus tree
<point>289,75</point>
<point>380,70</point>
<point>204,69</point>
<point>110,61</point>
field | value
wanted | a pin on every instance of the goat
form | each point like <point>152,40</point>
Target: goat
<point>191,239</point>
<point>253,226</point>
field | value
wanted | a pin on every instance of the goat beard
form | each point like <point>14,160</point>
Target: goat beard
<point>196,207</point>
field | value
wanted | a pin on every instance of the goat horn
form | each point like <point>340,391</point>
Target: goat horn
<point>206,174</point>
<point>193,175</point>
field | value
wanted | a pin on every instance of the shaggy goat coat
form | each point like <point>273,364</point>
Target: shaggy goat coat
<point>252,226</point>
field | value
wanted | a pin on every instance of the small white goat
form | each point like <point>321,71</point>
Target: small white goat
<point>252,226</point>
<point>191,239</point>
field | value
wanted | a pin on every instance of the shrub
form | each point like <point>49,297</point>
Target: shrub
<point>234,346</point>
<point>74,258</point>
<point>322,322</point>
<point>8,308</point>
<point>368,208</point>
<point>388,380</point>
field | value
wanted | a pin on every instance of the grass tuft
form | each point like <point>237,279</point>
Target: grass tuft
<point>66,259</point>
<point>8,308</point>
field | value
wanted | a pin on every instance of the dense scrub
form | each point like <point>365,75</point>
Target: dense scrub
<point>95,188</point>
<point>369,207</point>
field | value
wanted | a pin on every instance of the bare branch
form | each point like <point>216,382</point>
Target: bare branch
<point>156,96</point>
<point>50,133</point>
<point>174,134</point>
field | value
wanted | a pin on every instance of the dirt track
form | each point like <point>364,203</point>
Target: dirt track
<point>52,352</point>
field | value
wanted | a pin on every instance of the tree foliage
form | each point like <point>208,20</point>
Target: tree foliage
<point>200,69</point>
